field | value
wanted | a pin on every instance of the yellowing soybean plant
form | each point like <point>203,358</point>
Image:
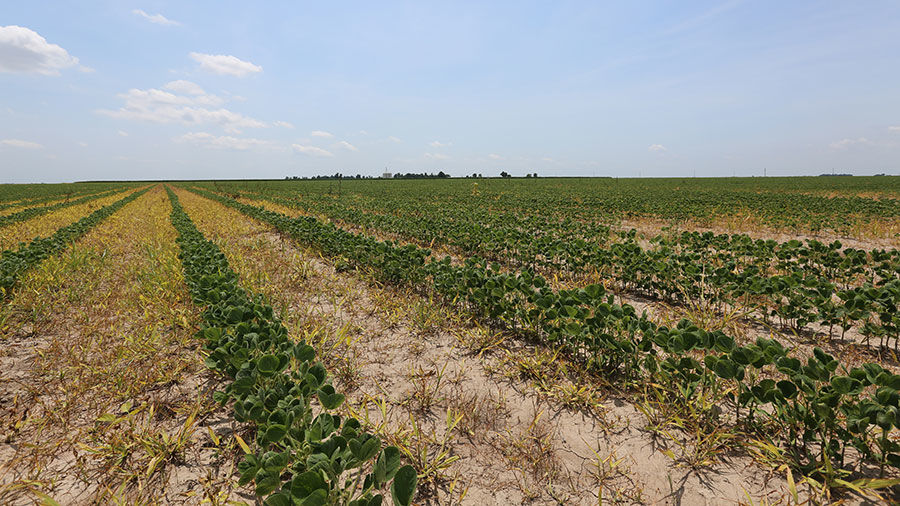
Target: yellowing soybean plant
<point>461,341</point>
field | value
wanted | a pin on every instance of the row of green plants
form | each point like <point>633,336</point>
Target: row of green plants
<point>33,212</point>
<point>305,453</point>
<point>792,283</point>
<point>13,263</point>
<point>816,410</point>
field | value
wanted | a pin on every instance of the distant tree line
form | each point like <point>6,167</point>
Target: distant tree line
<point>413,175</point>
<point>408,175</point>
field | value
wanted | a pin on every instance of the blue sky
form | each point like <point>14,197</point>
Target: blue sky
<point>155,89</point>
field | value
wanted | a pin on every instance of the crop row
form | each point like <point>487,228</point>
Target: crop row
<point>815,409</point>
<point>797,283</point>
<point>33,212</point>
<point>15,262</point>
<point>301,457</point>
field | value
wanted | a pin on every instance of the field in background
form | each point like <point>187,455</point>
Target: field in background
<point>475,340</point>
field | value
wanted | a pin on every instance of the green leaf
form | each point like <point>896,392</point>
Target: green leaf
<point>265,486</point>
<point>725,368</point>
<point>304,484</point>
<point>267,365</point>
<point>330,400</point>
<point>317,498</point>
<point>387,464</point>
<point>404,487</point>
<point>304,352</point>
<point>275,433</point>
<point>279,499</point>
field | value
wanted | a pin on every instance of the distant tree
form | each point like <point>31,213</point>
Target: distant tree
<point>505,174</point>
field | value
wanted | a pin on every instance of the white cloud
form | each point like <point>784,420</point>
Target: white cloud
<point>160,106</point>
<point>225,64</point>
<point>311,151</point>
<point>394,139</point>
<point>208,140</point>
<point>123,133</point>
<point>83,144</point>
<point>19,143</point>
<point>346,145</point>
<point>438,144</point>
<point>363,132</point>
<point>894,128</point>
<point>495,156</point>
<point>848,143</point>
<point>283,124</point>
<point>25,51</point>
<point>321,133</point>
<point>547,159</point>
<point>159,19</point>
<point>657,148</point>
<point>185,87</point>
<point>436,156</point>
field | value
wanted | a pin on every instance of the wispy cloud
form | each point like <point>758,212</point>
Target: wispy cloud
<point>346,145</point>
<point>185,87</point>
<point>894,128</point>
<point>495,156</point>
<point>122,133</point>
<point>437,156</point>
<point>283,124</point>
<point>321,133</point>
<point>657,148</point>
<point>849,143</point>
<point>24,51</point>
<point>19,143</point>
<point>312,151</point>
<point>393,139</point>
<point>210,141</point>
<point>225,64</point>
<point>159,19</point>
<point>439,144</point>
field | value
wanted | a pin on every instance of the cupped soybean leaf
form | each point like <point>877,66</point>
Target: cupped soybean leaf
<point>365,447</point>
<point>725,368</point>
<point>275,433</point>
<point>404,487</point>
<point>304,352</point>
<point>305,484</point>
<point>788,389</point>
<point>387,464</point>
<point>844,384</point>
<point>316,498</point>
<point>267,365</point>
<point>329,398</point>
<point>266,485</point>
<point>277,499</point>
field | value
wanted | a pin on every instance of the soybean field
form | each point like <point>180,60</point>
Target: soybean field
<point>451,341</point>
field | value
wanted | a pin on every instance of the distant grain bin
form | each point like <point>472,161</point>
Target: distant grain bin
<point>387,175</point>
